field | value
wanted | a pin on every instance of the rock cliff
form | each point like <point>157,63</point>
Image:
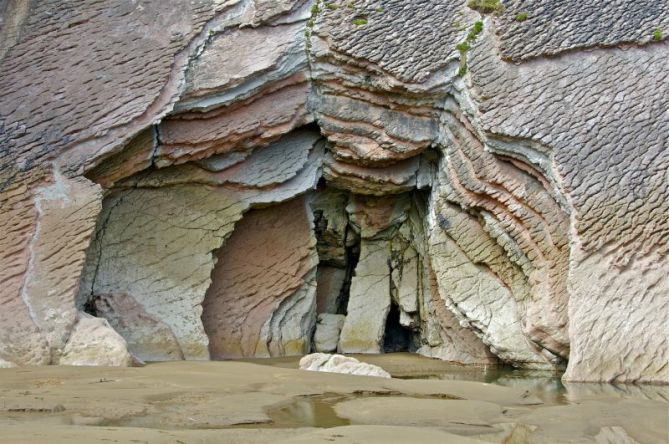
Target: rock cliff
<point>476,181</point>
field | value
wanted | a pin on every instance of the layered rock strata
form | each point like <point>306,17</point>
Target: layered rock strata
<point>153,248</point>
<point>208,179</point>
<point>262,300</point>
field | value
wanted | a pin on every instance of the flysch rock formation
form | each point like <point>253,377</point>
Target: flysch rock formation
<point>262,301</point>
<point>247,178</point>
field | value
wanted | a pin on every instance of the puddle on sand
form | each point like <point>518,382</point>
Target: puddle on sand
<point>546,385</point>
<point>308,411</point>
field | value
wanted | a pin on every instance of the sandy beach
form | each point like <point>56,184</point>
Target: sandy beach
<point>268,401</point>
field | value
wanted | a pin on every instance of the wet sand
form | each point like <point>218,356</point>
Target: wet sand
<point>268,401</point>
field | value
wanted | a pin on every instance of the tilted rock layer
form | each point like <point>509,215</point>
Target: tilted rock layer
<point>239,178</point>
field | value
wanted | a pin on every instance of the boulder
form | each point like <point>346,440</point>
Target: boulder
<point>93,342</point>
<point>323,362</point>
<point>7,364</point>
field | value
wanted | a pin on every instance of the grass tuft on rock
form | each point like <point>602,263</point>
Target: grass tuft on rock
<point>463,47</point>
<point>522,16</point>
<point>359,21</point>
<point>657,35</point>
<point>466,45</point>
<point>475,31</point>
<point>486,6</point>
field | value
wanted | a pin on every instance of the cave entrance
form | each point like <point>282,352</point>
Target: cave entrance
<point>397,338</point>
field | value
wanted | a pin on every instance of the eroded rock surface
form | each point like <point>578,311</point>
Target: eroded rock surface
<point>94,342</point>
<point>369,301</point>
<point>211,176</point>
<point>262,300</point>
<point>328,328</point>
<point>153,247</point>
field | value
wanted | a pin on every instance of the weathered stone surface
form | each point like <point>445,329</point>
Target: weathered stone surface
<point>328,327</point>
<point>94,342</point>
<point>415,290</point>
<point>397,178</point>
<point>41,297</point>
<point>405,277</point>
<point>411,56</point>
<point>270,9</point>
<point>262,301</point>
<point>379,87</point>
<point>443,335</point>
<point>368,302</point>
<point>267,176</point>
<point>224,72</point>
<point>267,166</point>
<point>241,125</point>
<point>146,336</point>
<point>329,289</point>
<point>595,24</point>
<point>136,156</point>
<point>155,245</point>
<point>604,345</point>
<point>373,216</point>
<point>21,341</point>
<point>67,211</point>
<point>81,89</point>
<point>78,81</point>
<point>368,134</point>
<point>608,162</point>
<point>220,162</point>
<point>323,362</point>
<point>331,226</point>
<point>520,208</point>
<point>479,294</point>
<point>274,164</point>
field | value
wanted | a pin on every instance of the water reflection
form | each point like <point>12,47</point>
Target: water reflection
<point>578,391</point>
<point>546,385</point>
<point>309,411</point>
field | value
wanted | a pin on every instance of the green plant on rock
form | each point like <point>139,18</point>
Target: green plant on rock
<point>486,6</point>
<point>331,6</point>
<point>359,21</point>
<point>463,47</point>
<point>466,45</point>
<point>475,31</point>
<point>315,10</point>
<point>657,35</point>
<point>522,16</point>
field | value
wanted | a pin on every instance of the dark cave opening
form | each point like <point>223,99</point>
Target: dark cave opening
<point>353,256</point>
<point>397,338</point>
